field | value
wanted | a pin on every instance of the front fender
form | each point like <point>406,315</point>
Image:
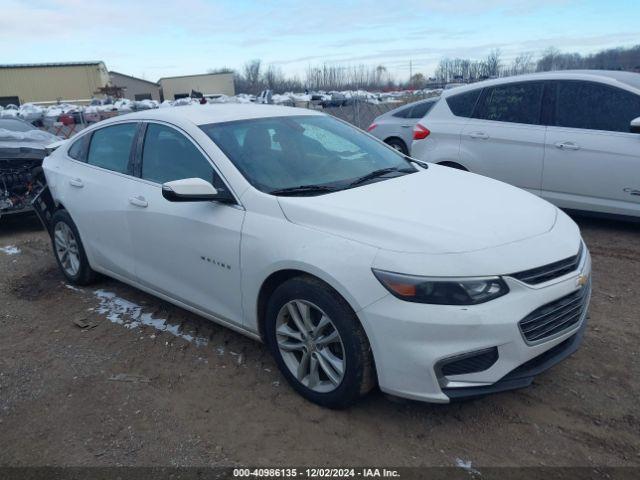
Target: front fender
<point>271,244</point>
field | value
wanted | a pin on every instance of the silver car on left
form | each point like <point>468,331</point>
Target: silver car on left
<point>395,127</point>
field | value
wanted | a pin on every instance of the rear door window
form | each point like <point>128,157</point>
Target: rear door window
<point>512,103</point>
<point>421,109</point>
<point>403,113</point>
<point>168,155</point>
<point>463,104</point>
<point>76,151</point>
<point>594,106</point>
<point>110,147</point>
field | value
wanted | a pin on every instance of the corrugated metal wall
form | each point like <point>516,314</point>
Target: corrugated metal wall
<point>206,84</point>
<point>134,87</point>
<point>42,84</point>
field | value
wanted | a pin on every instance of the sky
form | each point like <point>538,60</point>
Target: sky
<point>155,38</point>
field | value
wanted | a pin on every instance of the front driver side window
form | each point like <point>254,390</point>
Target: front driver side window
<point>595,106</point>
<point>168,155</point>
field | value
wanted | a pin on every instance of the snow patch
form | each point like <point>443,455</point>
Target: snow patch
<point>131,315</point>
<point>71,287</point>
<point>10,250</point>
<point>466,465</point>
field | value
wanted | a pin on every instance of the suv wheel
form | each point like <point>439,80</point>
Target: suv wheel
<point>318,343</point>
<point>68,250</point>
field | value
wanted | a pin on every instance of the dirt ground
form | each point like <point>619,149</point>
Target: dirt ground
<point>112,395</point>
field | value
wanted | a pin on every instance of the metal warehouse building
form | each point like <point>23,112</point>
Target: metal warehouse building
<point>47,82</point>
<point>207,84</point>
<point>135,88</point>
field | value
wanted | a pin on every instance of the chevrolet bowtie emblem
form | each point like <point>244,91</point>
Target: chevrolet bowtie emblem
<point>581,281</point>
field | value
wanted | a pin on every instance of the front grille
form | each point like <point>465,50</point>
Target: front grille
<point>469,362</point>
<point>550,271</point>
<point>555,317</point>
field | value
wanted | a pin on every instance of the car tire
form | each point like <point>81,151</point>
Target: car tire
<point>66,239</point>
<point>398,145</point>
<point>345,368</point>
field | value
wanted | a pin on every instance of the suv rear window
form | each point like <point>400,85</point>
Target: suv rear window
<point>462,105</point>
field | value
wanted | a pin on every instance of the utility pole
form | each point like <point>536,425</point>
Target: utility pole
<point>410,72</point>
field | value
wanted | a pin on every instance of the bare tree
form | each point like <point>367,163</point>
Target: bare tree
<point>523,63</point>
<point>328,77</point>
<point>492,64</point>
<point>252,76</point>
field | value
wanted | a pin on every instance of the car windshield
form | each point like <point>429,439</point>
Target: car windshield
<point>305,155</point>
<point>15,125</point>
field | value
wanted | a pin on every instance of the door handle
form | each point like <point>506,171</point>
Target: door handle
<point>632,191</point>
<point>138,201</point>
<point>480,135</point>
<point>76,182</point>
<point>406,126</point>
<point>567,146</point>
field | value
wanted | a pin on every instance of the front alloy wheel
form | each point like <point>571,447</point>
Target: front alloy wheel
<point>310,345</point>
<point>318,342</point>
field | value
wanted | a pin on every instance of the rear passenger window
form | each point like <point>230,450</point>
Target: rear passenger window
<point>462,105</point>
<point>404,113</point>
<point>513,103</point>
<point>168,155</point>
<point>76,149</point>
<point>110,147</point>
<point>595,106</point>
<point>421,109</point>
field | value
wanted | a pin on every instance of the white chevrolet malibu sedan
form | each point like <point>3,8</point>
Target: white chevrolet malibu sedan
<point>356,265</point>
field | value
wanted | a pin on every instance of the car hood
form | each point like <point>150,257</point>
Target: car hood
<point>435,211</point>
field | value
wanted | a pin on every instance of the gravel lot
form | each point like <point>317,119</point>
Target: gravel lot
<point>111,395</point>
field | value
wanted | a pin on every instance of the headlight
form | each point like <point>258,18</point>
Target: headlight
<point>441,291</point>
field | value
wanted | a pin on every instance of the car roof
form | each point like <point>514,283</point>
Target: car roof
<point>213,113</point>
<point>612,77</point>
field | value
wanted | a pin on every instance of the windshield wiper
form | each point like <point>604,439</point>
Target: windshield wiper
<point>420,163</point>
<point>302,190</point>
<point>378,173</point>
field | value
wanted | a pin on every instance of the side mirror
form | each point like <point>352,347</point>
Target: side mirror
<point>189,190</point>
<point>635,125</point>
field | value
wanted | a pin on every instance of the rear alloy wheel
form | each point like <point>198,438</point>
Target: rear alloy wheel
<point>398,145</point>
<point>68,250</point>
<point>318,343</point>
<point>66,247</point>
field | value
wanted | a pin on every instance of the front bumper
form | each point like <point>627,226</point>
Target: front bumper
<point>409,340</point>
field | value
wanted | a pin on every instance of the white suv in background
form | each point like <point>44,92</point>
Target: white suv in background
<point>572,137</point>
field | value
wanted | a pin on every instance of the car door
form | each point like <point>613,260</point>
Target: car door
<point>504,139</point>
<point>95,180</point>
<point>592,160</point>
<point>189,251</point>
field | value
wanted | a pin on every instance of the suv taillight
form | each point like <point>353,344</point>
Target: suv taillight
<point>420,132</point>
